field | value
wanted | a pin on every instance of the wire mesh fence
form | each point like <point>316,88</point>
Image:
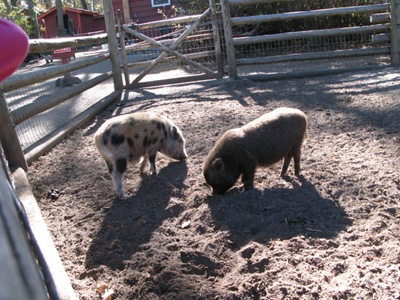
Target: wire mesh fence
<point>351,34</point>
<point>39,126</point>
<point>199,46</point>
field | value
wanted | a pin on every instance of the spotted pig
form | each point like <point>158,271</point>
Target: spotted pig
<point>260,143</point>
<point>137,137</point>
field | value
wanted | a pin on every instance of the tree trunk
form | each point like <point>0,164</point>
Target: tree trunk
<point>33,20</point>
<point>84,4</point>
<point>7,5</point>
<point>60,18</point>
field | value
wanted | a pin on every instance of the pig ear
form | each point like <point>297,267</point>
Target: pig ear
<point>218,164</point>
<point>175,132</point>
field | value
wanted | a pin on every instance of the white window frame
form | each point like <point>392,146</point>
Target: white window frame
<point>164,3</point>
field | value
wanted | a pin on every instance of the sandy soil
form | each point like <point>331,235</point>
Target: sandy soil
<point>332,234</point>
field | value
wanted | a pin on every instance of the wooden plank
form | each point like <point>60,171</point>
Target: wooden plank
<point>43,45</point>
<point>123,49</point>
<point>216,39</point>
<point>310,14</point>
<point>315,55</point>
<point>17,81</point>
<point>169,81</point>
<point>112,44</point>
<point>9,138</point>
<point>20,277</point>
<point>380,18</point>
<point>379,39</point>
<point>252,2</point>
<point>310,34</point>
<point>395,32</point>
<point>172,21</point>
<point>46,102</point>
<point>57,279</point>
<point>230,48</point>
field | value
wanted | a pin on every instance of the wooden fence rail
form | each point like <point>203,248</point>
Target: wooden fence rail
<point>379,32</point>
<point>310,14</point>
<point>8,136</point>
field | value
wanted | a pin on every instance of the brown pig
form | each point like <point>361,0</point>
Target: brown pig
<point>137,138</point>
<point>260,143</point>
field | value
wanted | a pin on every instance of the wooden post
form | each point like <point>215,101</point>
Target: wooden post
<point>123,49</point>
<point>9,139</point>
<point>113,44</point>
<point>127,11</point>
<point>217,39</point>
<point>230,48</point>
<point>394,32</point>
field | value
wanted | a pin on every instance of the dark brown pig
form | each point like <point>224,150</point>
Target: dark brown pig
<point>274,136</point>
<point>137,138</point>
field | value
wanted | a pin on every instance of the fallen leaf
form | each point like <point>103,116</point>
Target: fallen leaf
<point>185,224</point>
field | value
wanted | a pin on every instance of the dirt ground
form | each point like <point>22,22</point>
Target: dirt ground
<point>332,234</point>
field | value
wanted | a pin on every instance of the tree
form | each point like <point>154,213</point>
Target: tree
<point>60,18</point>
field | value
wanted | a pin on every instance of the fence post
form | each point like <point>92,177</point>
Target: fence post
<point>113,44</point>
<point>123,49</point>
<point>394,32</point>
<point>8,137</point>
<point>230,48</point>
<point>217,38</point>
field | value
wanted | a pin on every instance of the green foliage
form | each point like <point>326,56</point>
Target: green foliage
<point>18,16</point>
<point>191,7</point>
<point>302,24</point>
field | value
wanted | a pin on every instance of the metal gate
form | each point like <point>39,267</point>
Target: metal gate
<point>188,47</point>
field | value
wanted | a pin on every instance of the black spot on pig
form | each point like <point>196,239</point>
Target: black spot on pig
<point>117,139</point>
<point>130,142</point>
<point>146,141</point>
<point>121,165</point>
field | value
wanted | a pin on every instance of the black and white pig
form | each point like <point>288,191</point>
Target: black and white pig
<point>260,143</point>
<point>137,138</point>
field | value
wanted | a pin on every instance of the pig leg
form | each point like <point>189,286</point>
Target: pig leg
<point>149,158</point>
<point>144,163</point>
<point>248,176</point>
<point>286,162</point>
<point>116,175</point>
<point>296,157</point>
<point>152,161</point>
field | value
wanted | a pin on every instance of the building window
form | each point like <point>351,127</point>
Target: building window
<point>157,3</point>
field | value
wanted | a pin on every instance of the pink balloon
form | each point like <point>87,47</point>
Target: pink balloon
<point>14,47</point>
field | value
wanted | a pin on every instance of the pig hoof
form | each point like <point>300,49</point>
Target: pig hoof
<point>121,197</point>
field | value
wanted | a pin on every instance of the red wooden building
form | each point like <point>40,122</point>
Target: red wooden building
<point>143,11</point>
<point>76,22</point>
<point>81,22</point>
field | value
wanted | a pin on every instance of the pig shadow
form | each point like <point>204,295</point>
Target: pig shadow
<point>277,213</point>
<point>128,225</point>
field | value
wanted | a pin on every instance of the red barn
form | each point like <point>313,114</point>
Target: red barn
<point>143,11</point>
<point>76,22</point>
